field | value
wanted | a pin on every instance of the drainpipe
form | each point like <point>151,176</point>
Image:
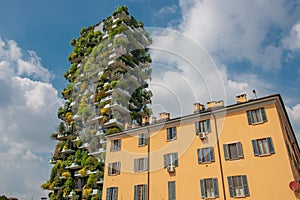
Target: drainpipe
<point>148,167</point>
<point>219,154</point>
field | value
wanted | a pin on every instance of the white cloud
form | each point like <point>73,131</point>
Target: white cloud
<point>28,107</point>
<point>237,30</point>
<point>166,11</point>
<point>292,41</point>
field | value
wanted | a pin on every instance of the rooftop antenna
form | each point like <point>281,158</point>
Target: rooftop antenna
<point>254,93</point>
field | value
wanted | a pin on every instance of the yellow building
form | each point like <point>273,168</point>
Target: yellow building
<point>247,150</point>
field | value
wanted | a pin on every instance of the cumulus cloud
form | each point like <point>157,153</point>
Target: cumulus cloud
<point>166,11</point>
<point>292,41</point>
<point>28,108</point>
<point>238,30</point>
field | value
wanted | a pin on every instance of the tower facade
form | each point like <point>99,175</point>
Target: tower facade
<point>107,92</point>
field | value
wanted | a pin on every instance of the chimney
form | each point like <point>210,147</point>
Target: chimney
<point>164,116</point>
<point>198,107</point>
<point>126,126</point>
<point>241,98</point>
<point>145,120</point>
<point>153,121</point>
<point>215,104</point>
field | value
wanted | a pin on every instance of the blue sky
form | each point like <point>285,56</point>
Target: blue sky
<point>214,50</point>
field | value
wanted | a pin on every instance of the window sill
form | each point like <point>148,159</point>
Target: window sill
<point>264,155</point>
<point>257,123</point>
<point>142,145</point>
<point>171,139</point>
<point>239,196</point>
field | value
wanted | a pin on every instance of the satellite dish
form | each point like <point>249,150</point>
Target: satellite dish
<point>294,185</point>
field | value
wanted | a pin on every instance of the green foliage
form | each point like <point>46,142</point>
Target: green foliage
<point>91,181</point>
<point>84,158</point>
<point>113,130</point>
<point>121,9</point>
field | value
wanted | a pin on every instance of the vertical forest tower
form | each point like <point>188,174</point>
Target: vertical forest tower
<point>107,92</point>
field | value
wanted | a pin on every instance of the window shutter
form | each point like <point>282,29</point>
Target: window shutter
<point>119,146</point>
<point>212,154</point>
<point>203,196</point>
<point>144,191</point>
<point>165,160</point>
<point>240,150</point>
<point>216,187</point>
<point>171,190</point>
<point>135,165</point>
<point>109,169</point>
<point>115,194</point>
<point>107,194</point>
<point>208,126</point>
<point>200,156</point>
<point>230,186</point>
<point>271,146</point>
<point>263,114</point>
<point>118,167</point>
<point>174,131</point>
<point>249,117</point>
<point>146,163</point>
<point>168,133</point>
<point>245,183</point>
<point>197,128</point>
<point>255,147</point>
<point>176,159</point>
<point>226,153</point>
<point>135,192</point>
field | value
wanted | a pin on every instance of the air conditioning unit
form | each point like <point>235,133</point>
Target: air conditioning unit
<point>171,168</point>
<point>202,135</point>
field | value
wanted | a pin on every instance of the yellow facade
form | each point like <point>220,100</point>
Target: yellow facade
<point>259,177</point>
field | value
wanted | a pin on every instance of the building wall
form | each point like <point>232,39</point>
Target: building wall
<point>268,176</point>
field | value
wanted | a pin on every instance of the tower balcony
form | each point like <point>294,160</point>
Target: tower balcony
<point>61,136</point>
<point>100,181</point>
<point>67,151</point>
<point>85,145</point>
<point>52,161</point>
<point>73,166</point>
<point>122,92</point>
<point>112,122</point>
<point>97,152</point>
<point>114,63</point>
<point>95,192</point>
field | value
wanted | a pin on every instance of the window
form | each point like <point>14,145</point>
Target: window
<point>256,116</point>
<point>206,155</point>
<point>140,192</point>
<point>171,190</point>
<point>171,159</point>
<point>238,186</point>
<point>115,145</point>
<point>142,139</point>
<point>233,151</point>
<point>202,126</point>
<point>114,168</point>
<point>171,133</point>
<point>263,146</point>
<point>209,188</point>
<point>140,164</point>
<point>112,193</point>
